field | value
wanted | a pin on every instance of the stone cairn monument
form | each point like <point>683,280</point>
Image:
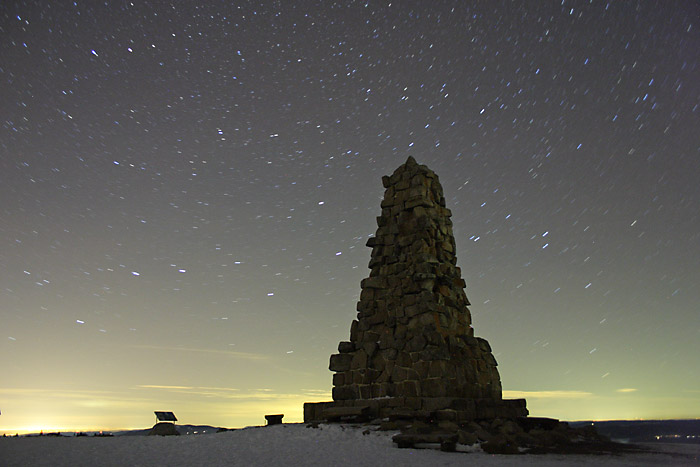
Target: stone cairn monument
<point>412,353</point>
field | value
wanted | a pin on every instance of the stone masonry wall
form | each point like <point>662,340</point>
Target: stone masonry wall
<point>412,347</point>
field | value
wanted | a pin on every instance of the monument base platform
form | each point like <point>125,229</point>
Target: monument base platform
<point>424,408</point>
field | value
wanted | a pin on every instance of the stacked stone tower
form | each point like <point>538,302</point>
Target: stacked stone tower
<point>412,350</point>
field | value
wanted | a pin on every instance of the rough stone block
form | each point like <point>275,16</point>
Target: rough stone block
<point>431,404</point>
<point>370,337</point>
<point>374,283</point>
<point>398,413</point>
<point>437,369</point>
<point>413,402</point>
<point>340,362</point>
<point>399,374</point>
<point>353,331</point>
<point>338,413</point>
<point>313,411</point>
<point>357,377</point>
<point>404,359</point>
<point>369,348</point>
<point>365,391</point>
<point>433,387</point>
<point>465,415</point>
<point>398,401</point>
<point>446,414</point>
<point>483,344</point>
<point>410,389</point>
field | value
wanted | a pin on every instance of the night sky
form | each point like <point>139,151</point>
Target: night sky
<point>186,192</point>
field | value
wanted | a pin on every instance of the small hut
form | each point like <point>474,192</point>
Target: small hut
<point>165,424</point>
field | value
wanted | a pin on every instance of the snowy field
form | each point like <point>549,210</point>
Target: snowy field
<point>291,445</point>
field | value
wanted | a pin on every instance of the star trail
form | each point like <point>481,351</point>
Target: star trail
<point>187,191</point>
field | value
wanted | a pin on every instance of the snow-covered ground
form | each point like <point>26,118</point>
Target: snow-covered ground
<point>290,445</point>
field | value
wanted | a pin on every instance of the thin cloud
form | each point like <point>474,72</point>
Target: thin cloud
<point>62,393</point>
<point>242,355</point>
<point>77,397</point>
<point>185,388</point>
<point>625,390</point>
<point>220,389</point>
<point>316,392</point>
<point>547,394</point>
<point>159,386</point>
<point>223,393</point>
